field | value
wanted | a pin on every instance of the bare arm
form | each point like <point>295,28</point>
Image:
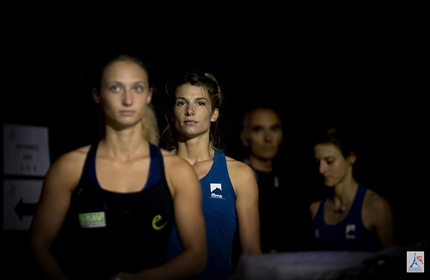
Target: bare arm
<point>52,207</point>
<point>313,208</point>
<point>186,192</point>
<point>245,184</point>
<point>377,214</point>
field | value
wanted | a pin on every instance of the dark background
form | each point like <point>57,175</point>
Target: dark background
<point>369,71</point>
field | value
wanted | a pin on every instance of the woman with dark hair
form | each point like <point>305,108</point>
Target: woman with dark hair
<point>352,217</point>
<point>229,189</point>
<point>107,210</point>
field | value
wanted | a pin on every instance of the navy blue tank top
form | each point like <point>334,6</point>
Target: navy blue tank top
<point>106,232</point>
<point>219,209</point>
<point>350,234</point>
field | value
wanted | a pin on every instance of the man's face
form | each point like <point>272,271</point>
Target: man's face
<point>263,133</point>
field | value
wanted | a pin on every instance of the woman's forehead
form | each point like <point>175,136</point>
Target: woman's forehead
<point>187,90</point>
<point>123,69</point>
<point>326,149</point>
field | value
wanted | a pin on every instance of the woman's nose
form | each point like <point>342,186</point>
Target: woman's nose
<point>127,98</point>
<point>190,110</point>
<point>322,167</point>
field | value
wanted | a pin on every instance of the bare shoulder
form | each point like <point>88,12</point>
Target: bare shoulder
<point>375,202</point>
<point>72,159</point>
<point>67,168</point>
<point>174,165</point>
<point>242,176</point>
<point>238,168</point>
<point>377,213</point>
<point>173,161</point>
<point>313,208</point>
<point>315,204</point>
<point>179,173</point>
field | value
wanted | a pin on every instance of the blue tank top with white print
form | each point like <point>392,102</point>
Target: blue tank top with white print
<point>219,209</point>
<point>348,235</point>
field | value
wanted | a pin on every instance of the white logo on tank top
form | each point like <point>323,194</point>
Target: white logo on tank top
<point>216,190</point>
<point>350,231</point>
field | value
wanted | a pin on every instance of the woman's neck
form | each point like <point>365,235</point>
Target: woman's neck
<point>343,195</point>
<point>194,151</point>
<point>124,149</point>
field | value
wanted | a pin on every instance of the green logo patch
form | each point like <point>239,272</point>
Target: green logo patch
<point>92,220</point>
<point>155,223</point>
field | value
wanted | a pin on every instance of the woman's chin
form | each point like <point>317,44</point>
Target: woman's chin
<point>329,184</point>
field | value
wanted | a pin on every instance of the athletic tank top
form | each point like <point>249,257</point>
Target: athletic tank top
<point>106,232</point>
<point>219,209</point>
<point>350,234</point>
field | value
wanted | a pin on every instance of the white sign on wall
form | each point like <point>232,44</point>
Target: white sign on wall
<point>19,202</point>
<point>25,150</point>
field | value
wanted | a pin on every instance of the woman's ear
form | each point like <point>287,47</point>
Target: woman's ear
<point>214,115</point>
<point>149,98</point>
<point>352,158</point>
<point>96,95</point>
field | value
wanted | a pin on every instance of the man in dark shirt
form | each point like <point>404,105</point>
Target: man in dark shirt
<point>283,205</point>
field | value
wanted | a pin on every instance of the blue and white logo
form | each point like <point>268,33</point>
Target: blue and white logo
<point>350,231</point>
<point>216,190</point>
<point>414,261</point>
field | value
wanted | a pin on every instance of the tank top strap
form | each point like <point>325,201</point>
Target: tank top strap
<point>359,197</point>
<point>90,162</point>
<point>156,168</point>
<point>220,162</point>
<point>321,207</point>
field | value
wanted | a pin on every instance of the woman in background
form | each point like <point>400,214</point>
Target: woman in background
<point>352,217</point>
<point>229,188</point>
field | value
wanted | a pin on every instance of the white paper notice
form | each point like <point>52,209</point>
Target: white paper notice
<point>19,202</point>
<point>25,150</point>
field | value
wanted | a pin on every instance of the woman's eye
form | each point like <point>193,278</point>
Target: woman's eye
<point>138,89</point>
<point>115,88</point>
<point>201,103</point>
